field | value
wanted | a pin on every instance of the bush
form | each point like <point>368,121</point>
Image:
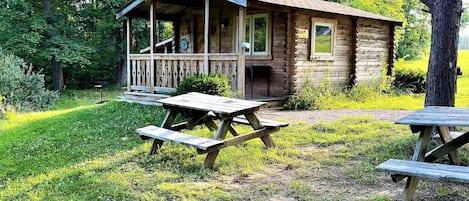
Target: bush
<point>20,87</point>
<point>409,80</point>
<point>309,97</point>
<point>207,84</point>
<point>364,91</point>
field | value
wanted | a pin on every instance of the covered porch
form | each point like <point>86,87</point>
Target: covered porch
<point>208,39</point>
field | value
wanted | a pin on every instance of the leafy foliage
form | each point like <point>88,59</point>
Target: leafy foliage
<point>410,80</point>
<point>309,97</point>
<point>414,38</point>
<point>207,84</point>
<point>21,87</point>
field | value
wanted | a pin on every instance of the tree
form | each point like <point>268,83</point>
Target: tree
<point>441,76</point>
<point>416,32</point>
<point>57,73</point>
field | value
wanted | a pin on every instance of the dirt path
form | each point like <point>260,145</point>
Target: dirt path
<point>331,115</point>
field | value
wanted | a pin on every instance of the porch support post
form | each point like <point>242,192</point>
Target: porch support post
<point>152,47</point>
<point>129,45</point>
<point>241,52</point>
<point>206,39</point>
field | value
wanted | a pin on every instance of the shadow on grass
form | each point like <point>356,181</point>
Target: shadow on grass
<point>59,141</point>
<point>93,153</point>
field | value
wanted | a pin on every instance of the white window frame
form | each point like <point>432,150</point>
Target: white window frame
<point>252,18</point>
<point>332,23</point>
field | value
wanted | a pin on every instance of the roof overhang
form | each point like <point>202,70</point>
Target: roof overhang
<point>330,7</point>
<point>130,7</point>
<point>140,8</point>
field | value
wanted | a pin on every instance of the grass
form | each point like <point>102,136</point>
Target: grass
<point>83,151</point>
<point>91,152</point>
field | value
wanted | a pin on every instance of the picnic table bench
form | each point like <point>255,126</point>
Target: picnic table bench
<point>206,110</point>
<point>427,121</point>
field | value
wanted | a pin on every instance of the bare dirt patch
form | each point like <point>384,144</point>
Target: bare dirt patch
<point>331,115</point>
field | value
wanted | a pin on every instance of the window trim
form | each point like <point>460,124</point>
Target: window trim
<point>251,51</point>
<point>323,22</point>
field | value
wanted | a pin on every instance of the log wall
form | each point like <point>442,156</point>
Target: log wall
<point>373,49</point>
<point>336,70</point>
<point>368,39</point>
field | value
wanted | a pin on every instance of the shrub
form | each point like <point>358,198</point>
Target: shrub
<point>207,84</point>
<point>364,91</point>
<point>309,97</point>
<point>20,87</point>
<point>409,80</point>
<point>2,108</point>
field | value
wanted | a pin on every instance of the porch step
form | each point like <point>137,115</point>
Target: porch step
<point>143,98</point>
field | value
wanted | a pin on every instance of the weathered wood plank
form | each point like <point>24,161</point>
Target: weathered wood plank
<point>217,104</point>
<point>177,137</point>
<point>453,155</point>
<point>446,148</point>
<point>426,170</point>
<point>265,122</point>
<point>436,115</point>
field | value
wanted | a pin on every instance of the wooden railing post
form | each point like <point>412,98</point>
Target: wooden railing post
<point>152,47</point>
<point>206,36</point>
<point>240,51</point>
<point>129,45</point>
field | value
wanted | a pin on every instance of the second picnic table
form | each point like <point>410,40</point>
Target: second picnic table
<point>431,119</point>
<point>203,109</point>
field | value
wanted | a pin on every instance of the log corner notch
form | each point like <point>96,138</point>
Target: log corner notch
<point>441,76</point>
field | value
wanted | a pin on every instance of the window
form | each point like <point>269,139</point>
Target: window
<point>323,38</point>
<point>257,34</point>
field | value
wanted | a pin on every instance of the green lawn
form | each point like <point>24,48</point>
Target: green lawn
<point>83,151</point>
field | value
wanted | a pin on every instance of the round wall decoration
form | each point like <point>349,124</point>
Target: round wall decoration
<point>184,44</point>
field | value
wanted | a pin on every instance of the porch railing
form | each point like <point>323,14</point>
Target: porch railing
<point>170,69</point>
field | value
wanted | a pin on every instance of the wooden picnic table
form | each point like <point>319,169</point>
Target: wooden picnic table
<point>203,109</point>
<point>430,120</point>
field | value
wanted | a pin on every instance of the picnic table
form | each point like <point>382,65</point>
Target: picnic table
<point>430,120</point>
<point>203,109</point>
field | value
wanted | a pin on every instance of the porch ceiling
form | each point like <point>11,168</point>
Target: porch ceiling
<point>141,8</point>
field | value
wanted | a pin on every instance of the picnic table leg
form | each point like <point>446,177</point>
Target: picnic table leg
<point>223,129</point>
<point>256,124</point>
<point>419,155</point>
<point>156,146</point>
<point>210,159</point>
<point>445,136</point>
<point>220,135</point>
<point>167,123</point>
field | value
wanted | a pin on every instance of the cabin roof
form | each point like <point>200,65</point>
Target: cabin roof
<point>139,8</point>
<point>329,7</point>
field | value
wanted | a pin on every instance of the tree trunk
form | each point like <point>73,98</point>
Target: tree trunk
<point>441,76</point>
<point>57,73</point>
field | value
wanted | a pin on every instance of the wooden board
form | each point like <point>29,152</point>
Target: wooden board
<point>437,116</point>
<point>427,170</point>
<point>264,122</point>
<point>177,137</point>
<point>216,104</point>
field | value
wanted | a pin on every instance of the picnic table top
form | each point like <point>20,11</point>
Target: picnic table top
<point>437,116</point>
<point>211,103</point>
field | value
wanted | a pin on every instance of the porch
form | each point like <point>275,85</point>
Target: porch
<point>198,47</point>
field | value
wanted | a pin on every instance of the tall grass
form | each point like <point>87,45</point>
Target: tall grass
<point>370,96</point>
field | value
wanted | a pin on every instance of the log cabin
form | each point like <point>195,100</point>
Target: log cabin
<point>266,48</point>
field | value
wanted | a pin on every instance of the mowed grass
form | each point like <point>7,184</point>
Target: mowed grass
<point>91,152</point>
<point>83,151</point>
